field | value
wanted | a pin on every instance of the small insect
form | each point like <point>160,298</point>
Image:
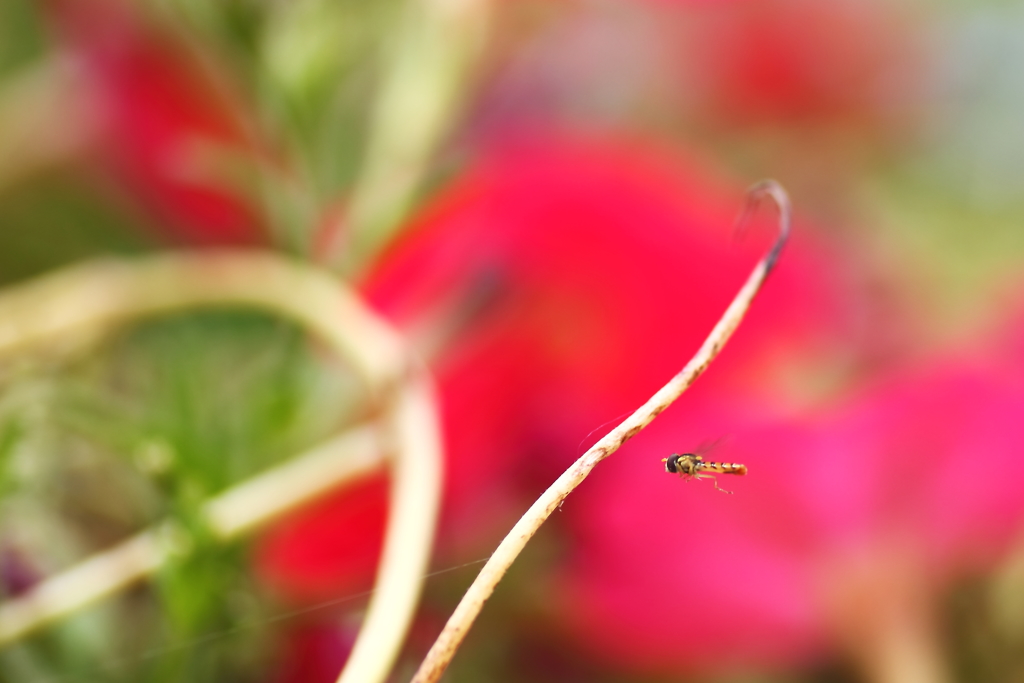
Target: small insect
<point>692,466</point>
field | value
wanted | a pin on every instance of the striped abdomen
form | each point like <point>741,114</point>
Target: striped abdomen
<point>723,467</point>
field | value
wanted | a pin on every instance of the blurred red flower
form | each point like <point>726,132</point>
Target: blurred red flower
<point>314,653</point>
<point>555,285</point>
<point>168,130</point>
<point>558,283</point>
<point>920,475</point>
<point>329,548</point>
<point>797,61</point>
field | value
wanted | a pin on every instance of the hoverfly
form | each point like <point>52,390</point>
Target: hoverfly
<point>693,466</point>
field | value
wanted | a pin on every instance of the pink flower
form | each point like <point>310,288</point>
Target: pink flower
<point>845,516</point>
<point>559,283</point>
<point>315,653</point>
<point>327,549</point>
<point>797,61</point>
<point>164,120</point>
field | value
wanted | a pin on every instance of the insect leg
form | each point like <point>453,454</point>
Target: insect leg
<point>714,480</point>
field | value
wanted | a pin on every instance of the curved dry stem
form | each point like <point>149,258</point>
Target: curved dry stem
<point>472,602</point>
<point>415,500</point>
<point>95,296</point>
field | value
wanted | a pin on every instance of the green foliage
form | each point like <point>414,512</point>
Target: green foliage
<point>55,221</point>
<point>320,57</point>
<point>21,34</point>
<point>150,426</point>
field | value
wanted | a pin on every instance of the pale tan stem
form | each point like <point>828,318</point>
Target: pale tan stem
<point>415,500</point>
<point>881,603</point>
<point>95,296</point>
<point>247,506</point>
<point>472,602</point>
<point>908,652</point>
<point>250,505</point>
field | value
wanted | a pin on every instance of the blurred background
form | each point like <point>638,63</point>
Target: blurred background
<point>539,195</point>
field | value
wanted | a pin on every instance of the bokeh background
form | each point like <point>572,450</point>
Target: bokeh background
<point>540,196</point>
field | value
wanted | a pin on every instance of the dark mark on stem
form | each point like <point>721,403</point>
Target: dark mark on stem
<point>757,192</point>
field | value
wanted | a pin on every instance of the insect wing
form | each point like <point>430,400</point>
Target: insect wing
<point>708,445</point>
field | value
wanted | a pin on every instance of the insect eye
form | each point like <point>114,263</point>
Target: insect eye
<point>672,464</point>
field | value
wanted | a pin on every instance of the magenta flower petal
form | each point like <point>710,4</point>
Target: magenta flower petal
<point>558,283</point>
<point>163,117</point>
<point>927,467</point>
